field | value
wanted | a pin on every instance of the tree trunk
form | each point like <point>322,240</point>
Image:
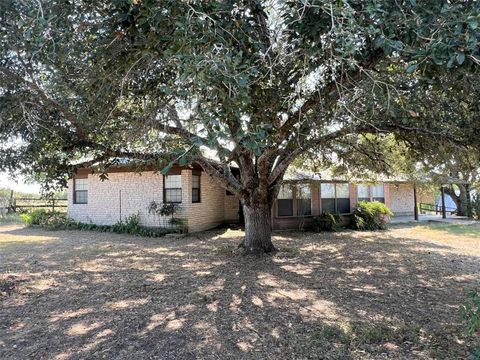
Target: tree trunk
<point>469,201</point>
<point>258,229</point>
<point>460,200</point>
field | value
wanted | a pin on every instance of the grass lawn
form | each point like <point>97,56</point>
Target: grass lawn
<point>345,295</point>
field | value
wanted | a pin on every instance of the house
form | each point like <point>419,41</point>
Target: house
<point>204,204</point>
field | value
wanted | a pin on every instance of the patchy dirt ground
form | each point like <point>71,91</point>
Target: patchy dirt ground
<point>346,295</point>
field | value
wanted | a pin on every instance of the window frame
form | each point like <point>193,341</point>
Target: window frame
<point>378,198</point>
<point>75,191</point>
<point>336,198</point>
<point>371,196</point>
<point>296,199</point>
<point>199,189</point>
<point>291,202</point>
<point>171,188</point>
<point>368,191</point>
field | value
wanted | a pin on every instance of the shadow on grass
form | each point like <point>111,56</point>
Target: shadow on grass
<point>341,295</point>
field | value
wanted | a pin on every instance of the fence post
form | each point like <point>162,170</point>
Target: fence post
<point>53,205</point>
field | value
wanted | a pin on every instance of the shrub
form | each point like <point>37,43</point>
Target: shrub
<point>371,216</point>
<point>326,222</point>
<point>167,209</point>
<point>131,225</point>
<point>470,312</point>
<point>40,217</point>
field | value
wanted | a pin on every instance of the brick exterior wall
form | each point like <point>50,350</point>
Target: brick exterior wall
<point>127,193</point>
<point>210,212</point>
<point>112,200</point>
<point>401,199</point>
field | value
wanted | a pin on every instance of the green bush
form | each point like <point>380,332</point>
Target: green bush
<point>470,312</point>
<point>371,216</point>
<point>131,225</point>
<point>40,217</point>
<point>326,222</point>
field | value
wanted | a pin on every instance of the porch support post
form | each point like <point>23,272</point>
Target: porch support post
<point>444,212</point>
<point>415,205</point>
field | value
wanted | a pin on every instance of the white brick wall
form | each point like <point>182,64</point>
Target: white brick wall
<point>138,190</point>
<point>135,191</point>
<point>401,199</point>
<point>210,212</point>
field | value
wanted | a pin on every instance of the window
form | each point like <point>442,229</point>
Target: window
<point>304,200</point>
<point>335,197</point>
<point>327,193</point>
<point>371,193</point>
<point>363,193</point>
<point>195,188</point>
<point>285,201</point>
<point>80,195</point>
<point>173,188</point>
<point>378,193</point>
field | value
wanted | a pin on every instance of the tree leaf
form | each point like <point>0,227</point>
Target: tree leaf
<point>411,69</point>
<point>472,23</point>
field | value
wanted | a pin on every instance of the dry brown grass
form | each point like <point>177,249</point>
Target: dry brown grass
<point>346,295</point>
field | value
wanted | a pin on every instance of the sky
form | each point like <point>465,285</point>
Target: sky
<point>18,184</point>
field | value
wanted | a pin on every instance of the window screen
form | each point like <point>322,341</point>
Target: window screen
<point>285,201</point>
<point>81,191</point>
<point>327,193</point>
<point>343,198</point>
<point>335,197</point>
<point>378,193</point>
<point>173,188</point>
<point>195,188</point>
<point>343,191</point>
<point>363,193</point>
<point>304,200</point>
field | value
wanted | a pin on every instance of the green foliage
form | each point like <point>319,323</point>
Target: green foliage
<point>220,61</point>
<point>371,216</point>
<point>168,209</point>
<point>163,209</point>
<point>131,225</point>
<point>36,217</point>
<point>470,312</point>
<point>326,222</point>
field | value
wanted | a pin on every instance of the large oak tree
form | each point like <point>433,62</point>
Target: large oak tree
<point>247,83</point>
